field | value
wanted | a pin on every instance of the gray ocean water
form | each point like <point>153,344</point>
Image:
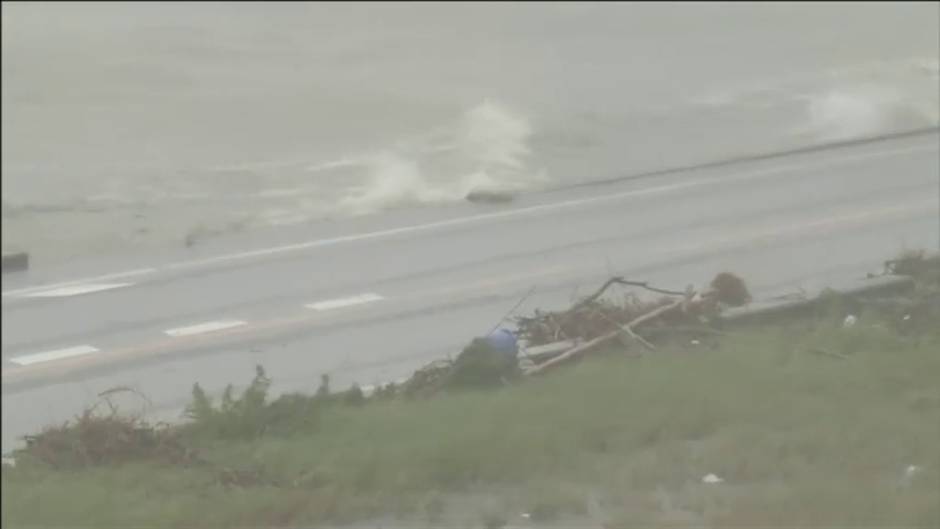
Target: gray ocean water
<point>130,126</point>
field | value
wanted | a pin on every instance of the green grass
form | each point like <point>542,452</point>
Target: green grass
<point>800,438</point>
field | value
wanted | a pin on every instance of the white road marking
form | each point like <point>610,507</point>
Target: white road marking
<point>344,302</point>
<point>57,354</point>
<point>106,277</point>
<point>209,326</point>
<point>518,212</point>
<point>75,290</point>
<point>722,243</point>
<point>496,215</point>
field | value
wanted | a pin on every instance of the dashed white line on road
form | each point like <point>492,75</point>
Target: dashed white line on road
<point>120,275</point>
<point>75,290</point>
<point>345,302</point>
<point>57,354</point>
<point>209,326</point>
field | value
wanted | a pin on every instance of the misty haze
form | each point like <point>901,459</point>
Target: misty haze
<point>472,265</point>
<point>138,124</point>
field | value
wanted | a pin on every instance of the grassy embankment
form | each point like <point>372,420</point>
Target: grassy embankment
<point>808,422</point>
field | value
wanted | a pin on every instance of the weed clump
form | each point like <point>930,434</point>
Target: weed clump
<point>250,415</point>
<point>100,439</point>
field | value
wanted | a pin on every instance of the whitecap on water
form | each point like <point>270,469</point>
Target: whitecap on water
<point>487,150</point>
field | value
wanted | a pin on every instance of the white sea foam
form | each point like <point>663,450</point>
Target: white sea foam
<point>846,113</point>
<point>488,149</point>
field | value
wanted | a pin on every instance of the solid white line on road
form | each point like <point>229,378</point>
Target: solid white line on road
<point>564,204</point>
<point>744,176</point>
<point>57,354</point>
<point>75,290</point>
<point>209,326</point>
<point>344,302</point>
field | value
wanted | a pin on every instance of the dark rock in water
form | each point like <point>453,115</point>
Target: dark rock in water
<point>490,196</point>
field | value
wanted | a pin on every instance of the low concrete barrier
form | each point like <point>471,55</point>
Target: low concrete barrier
<point>15,262</point>
<point>770,309</point>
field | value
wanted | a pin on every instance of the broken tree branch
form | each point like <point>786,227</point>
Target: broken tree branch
<point>617,280</point>
<point>586,346</point>
<point>637,337</point>
<point>604,338</point>
<point>657,312</point>
<point>627,330</point>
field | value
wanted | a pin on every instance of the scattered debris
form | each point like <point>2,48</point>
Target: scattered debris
<point>552,338</point>
<point>539,343</point>
<point>546,339</point>
<point>590,317</point>
<point>594,322</point>
<point>712,479</point>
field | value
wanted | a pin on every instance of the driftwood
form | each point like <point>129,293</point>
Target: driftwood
<point>658,312</point>
<point>638,338</point>
<point>629,332</point>
<point>548,351</point>
<point>585,347</point>
<point>590,319</point>
<point>604,338</point>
